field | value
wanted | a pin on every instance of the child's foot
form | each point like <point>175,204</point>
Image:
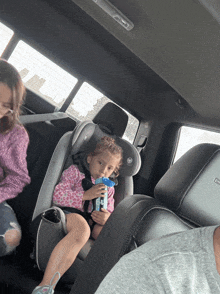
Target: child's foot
<point>47,289</point>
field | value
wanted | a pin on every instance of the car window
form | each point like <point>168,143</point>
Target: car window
<point>50,81</point>
<point>5,36</point>
<point>41,75</point>
<point>190,137</point>
<point>88,101</point>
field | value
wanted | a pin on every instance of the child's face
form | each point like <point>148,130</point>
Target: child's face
<point>5,99</point>
<point>103,164</point>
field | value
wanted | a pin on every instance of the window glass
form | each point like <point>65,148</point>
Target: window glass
<point>190,137</point>
<point>5,36</point>
<point>88,101</point>
<point>41,75</point>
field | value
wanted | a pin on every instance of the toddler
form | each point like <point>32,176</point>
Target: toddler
<point>70,192</point>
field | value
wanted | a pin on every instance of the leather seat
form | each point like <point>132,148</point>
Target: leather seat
<point>191,187</point>
<point>187,196</point>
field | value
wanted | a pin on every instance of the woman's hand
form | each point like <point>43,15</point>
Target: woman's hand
<point>94,192</point>
<point>100,217</point>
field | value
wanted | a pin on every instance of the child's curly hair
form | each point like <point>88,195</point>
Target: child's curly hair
<point>108,143</point>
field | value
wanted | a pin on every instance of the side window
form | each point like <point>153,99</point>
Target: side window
<point>88,101</point>
<point>54,84</point>
<point>5,36</point>
<point>41,75</point>
<point>190,137</point>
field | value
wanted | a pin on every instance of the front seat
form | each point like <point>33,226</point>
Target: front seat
<point>186,197</point>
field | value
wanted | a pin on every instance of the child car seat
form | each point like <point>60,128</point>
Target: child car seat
<point>82,140</point>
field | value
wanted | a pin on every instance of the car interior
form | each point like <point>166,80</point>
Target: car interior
<point>141,71</point>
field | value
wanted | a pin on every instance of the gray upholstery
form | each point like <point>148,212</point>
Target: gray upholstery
<point>191,187</point>
<point>131,158</point>
<point>83,139</point>
<point>91,134</point>
<point>53,174</point>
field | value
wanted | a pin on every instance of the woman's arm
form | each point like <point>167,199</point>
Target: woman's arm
<point>14,164</point>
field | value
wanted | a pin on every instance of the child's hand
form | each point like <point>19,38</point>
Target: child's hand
<point>94,192</point>
<point>100,217</point>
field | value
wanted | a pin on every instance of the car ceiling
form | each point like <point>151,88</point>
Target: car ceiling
<point>166,67</point>
<point>179,40</point>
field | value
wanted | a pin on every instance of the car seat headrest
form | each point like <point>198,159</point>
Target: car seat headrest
<point>191,187</point>
<point>85,141</point>
<point>112,119</point>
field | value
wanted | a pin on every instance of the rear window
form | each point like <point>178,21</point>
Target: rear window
<point>88,101</point>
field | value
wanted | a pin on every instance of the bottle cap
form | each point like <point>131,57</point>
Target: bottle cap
<point>108,182</point>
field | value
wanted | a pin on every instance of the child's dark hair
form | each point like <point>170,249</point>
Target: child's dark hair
<point>10,77</point>
<point>108,144</point>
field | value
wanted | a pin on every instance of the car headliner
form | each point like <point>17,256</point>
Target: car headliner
<point>178,39</point>
<point>166,67</point>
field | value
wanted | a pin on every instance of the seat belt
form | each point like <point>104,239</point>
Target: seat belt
<point>33,118</point>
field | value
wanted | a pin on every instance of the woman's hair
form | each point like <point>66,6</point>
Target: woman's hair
<point>108,144</point>
<point>10,77</point>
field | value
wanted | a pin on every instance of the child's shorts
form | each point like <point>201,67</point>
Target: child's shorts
<point>8,221</point>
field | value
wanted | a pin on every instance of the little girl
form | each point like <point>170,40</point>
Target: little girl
<point>13,145</point>
<point>105,160</point>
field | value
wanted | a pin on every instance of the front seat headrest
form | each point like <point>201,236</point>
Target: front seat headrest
<point>191,187</point>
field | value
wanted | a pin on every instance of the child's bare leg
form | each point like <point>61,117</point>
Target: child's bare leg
<point>68,248</point>
<point>96,231</point>
<point>13,237</point>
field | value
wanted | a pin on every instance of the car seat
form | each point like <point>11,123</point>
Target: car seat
<point>187,196</point>
<point>81,141</point>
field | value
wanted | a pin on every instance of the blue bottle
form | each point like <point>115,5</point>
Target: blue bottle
<point>102,202</point>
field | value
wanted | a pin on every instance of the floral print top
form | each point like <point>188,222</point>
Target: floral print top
<point>69,191</point>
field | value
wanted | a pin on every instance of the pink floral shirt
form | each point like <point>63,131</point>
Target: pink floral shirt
<point>69,192</point>
<point>13,165</point>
